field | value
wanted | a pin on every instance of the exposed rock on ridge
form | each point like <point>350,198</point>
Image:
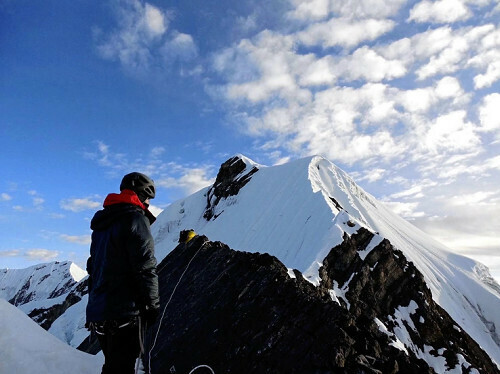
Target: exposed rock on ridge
<point>233,175</point>
<point>385,286</point>
<point>243,313</point>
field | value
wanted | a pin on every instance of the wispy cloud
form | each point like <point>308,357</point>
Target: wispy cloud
<point>187,178</point>
<point>191,180</point>
<point>5,197</point>
<point>441,11</point>
<point>36,254</point>
<point>142,40</point>
<point>78,239</point>
<point>79,204</point>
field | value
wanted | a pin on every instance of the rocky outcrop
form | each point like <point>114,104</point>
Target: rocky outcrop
<point>382,285</point>
<point>46,316</point>
<point>242,313</point>
<point>233,175</point>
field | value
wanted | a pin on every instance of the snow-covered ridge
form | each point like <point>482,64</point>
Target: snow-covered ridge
<point>35,350</point>
<point>298,211</point>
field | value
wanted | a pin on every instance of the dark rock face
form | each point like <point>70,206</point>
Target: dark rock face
<point>242,313</point>
<point>46,316</point>
<point>229,181</point>
<point>385,283</point>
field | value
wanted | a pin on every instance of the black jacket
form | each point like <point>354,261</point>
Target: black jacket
<point>122,268</point>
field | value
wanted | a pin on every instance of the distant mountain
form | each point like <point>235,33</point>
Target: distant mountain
<point>45,292</point>
<point>314,258</point>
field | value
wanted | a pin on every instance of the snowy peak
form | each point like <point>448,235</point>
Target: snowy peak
<point>300,210</point>
<point>39,282</point>
<point>339,190</point>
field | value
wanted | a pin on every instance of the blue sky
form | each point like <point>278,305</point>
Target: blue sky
<point>403,95</point>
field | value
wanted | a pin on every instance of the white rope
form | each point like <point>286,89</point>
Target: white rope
<point>202,366</point>
<point>163,315</point>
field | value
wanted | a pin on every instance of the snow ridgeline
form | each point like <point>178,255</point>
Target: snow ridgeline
<point>300,210</point>
<point>36,350</point>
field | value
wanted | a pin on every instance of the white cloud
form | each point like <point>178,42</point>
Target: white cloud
<point>5,197</point>
<point>38,201</point>
<point>487,57</point>
<point>79,204</point>
<point>191,180</point>
<point>142,41</point>
<point>367,8</point>
<point>405,210</point>
<point>472,199</point>
<point>310,9</point>
<point>451,133</point>
<point>440,11</point>
<point>367,64</point>
<point>78,239</point>
<point>319,72</point>
<point>35,254</point>
<point>314,10</point>
<point>41,254</point>
<point>155,20</point>
<point>447,61</point>
<point>274,58</point>
<point>10,253</point>
<point>415,191</point>
<point>489,113</point>
<point>167,174</point>
<point>181,46</point>
<point>448,87</point>
<point>344,32</point>
<point>139,28</point>
<point>157,152</point>
<point>373,175</point>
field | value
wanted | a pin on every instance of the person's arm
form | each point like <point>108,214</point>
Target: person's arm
<point>89,271</point>
<point>140,247</point>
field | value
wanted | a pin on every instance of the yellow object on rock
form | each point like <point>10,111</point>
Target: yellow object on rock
<point>186,235</point>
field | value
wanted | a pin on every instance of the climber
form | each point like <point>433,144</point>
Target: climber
<point>123,281</point>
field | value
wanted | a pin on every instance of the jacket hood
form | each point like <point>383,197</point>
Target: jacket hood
<point>116,206</point>
<point>124,197</point>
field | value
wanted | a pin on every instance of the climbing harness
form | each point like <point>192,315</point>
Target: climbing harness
<point>111,327</point>
<point>165,308</point>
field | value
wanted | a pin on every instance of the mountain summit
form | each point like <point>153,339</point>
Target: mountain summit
<point>299,211</point>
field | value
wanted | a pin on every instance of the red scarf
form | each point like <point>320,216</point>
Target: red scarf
<point>126,196</point>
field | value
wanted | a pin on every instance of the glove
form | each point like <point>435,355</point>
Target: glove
<point>150,315</point>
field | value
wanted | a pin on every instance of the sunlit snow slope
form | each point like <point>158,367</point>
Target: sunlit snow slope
<point>26,348</point>
<point>300,210</point>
